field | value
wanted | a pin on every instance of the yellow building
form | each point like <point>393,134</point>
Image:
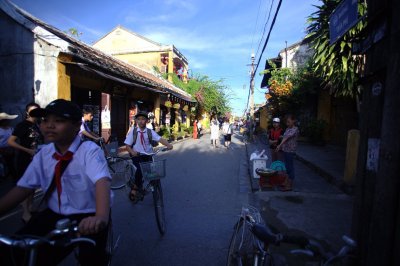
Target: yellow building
<point>135,49</point>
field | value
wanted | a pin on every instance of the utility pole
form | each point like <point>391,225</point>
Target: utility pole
<point>286,53</point>
<point>251,102</point>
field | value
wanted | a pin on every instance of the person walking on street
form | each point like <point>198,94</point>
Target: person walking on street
<point>227,130</point>
<point>6,151</point>
<point>214,127</point>
<point>76,180</point>
<point>85,133</point>
<point>195,133</point>
<point>199,128</point>
<point>275,138</point>
<point>289,146</point>
<point>138,142</point>
<point>26,139</point>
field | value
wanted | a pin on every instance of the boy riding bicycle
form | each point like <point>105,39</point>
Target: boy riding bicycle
<point>140,141</point>
<point>76,183</point>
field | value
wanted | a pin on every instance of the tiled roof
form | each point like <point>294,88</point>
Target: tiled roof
<point>107,63</point>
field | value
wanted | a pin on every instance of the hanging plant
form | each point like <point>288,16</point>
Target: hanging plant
<point>177,105</point>
<point>168,104</point>
<point>185,108</point>
<point>193,109</point>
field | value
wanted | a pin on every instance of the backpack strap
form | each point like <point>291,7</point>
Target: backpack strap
<point>135,135</point>
<point>149,135</point>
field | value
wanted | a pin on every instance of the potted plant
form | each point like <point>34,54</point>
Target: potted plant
<point>177,105</point>
<point>168,104</point>
<point>185,108</point>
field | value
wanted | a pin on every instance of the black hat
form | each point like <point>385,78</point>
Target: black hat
<point>59,107</point>
<point>142,113</point>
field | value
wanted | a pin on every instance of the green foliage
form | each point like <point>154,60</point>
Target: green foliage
<point>335,64</point>
<point>305,88</point>
<point>212,96</point>
<point>164,132</point>
<point>73,32</point>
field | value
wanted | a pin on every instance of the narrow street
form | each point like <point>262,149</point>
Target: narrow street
<point>202,198</point>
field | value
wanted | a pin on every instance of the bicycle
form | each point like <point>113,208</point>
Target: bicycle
<point>64,235</point>
<point>251,240</point>
<point>121,168</point>
<point>152,172</point>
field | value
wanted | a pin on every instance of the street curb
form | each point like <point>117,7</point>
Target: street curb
<point>345,188</point>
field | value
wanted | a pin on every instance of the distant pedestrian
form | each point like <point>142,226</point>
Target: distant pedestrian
<point>7,152</point>
<point>26,139</point>
<point>289,146</point>
<point>195,133</point>
<point>199,128</point>
<point>275,137</point>
<point>227,130</point>
<point>214,127</point>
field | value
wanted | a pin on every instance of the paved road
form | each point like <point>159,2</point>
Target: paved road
<point>202,198</point>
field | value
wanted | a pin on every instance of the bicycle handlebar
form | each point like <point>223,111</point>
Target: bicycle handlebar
<point>153,153</point>
<point>63,228</point>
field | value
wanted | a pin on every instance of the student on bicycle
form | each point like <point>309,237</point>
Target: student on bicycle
<point>84,132</point>
<point>76,182</point>
<point>139,141</point>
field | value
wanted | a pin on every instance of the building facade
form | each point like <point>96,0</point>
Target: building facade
<point>138,50</point>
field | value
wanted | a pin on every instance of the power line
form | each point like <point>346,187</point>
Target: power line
<point>269,33</point>
<point>265,26</point>
<point>255,26</point>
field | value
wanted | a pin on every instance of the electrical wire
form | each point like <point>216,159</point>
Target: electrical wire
<point>269,34</point>
<point>265,27</point>
<point>255,26</point>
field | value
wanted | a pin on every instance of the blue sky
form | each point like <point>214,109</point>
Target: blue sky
<point>217,36</point>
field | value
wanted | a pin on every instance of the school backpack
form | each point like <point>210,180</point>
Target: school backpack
<point>149,135</point>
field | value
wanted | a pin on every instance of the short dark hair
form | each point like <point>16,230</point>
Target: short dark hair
<point>291,116</point>
<point>29,105</point>
<point>86,111</point>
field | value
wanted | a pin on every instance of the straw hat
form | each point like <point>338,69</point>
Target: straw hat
<point>4,116</point>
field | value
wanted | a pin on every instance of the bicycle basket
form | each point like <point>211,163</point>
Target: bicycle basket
<point>153,170</point>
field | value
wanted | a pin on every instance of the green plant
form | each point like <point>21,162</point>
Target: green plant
<point>314,130</point>
<point>336,63</point>
<point>164,132</point>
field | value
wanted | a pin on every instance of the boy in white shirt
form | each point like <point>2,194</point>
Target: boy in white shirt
<point>76,181</point>
<point>138,143</point>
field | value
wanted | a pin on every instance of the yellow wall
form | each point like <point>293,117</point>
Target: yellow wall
<point>64,80</point>
<point>144,60</point>
<point>264,118</point>
<point>121,40</point>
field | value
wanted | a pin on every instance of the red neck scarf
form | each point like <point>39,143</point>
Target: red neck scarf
<point>63,161</point>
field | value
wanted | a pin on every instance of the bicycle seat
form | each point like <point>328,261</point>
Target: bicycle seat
<point>264,233</point>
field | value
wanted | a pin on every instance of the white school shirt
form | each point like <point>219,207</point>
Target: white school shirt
<point>138,147</point>
<point>78,181</point>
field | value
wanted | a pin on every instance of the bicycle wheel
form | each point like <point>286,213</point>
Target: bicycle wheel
<point>112,243</point>
<point>241,248</point>
<point>121,170</point>
<point>159,206</point>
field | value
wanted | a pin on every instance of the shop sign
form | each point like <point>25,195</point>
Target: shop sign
<point>342,19</point>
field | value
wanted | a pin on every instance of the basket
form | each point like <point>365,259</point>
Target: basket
<point>270,173</point>
<point>153,170</point>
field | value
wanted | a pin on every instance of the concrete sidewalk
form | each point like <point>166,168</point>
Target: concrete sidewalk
<point>328,161</point>
<point>315,208</point>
